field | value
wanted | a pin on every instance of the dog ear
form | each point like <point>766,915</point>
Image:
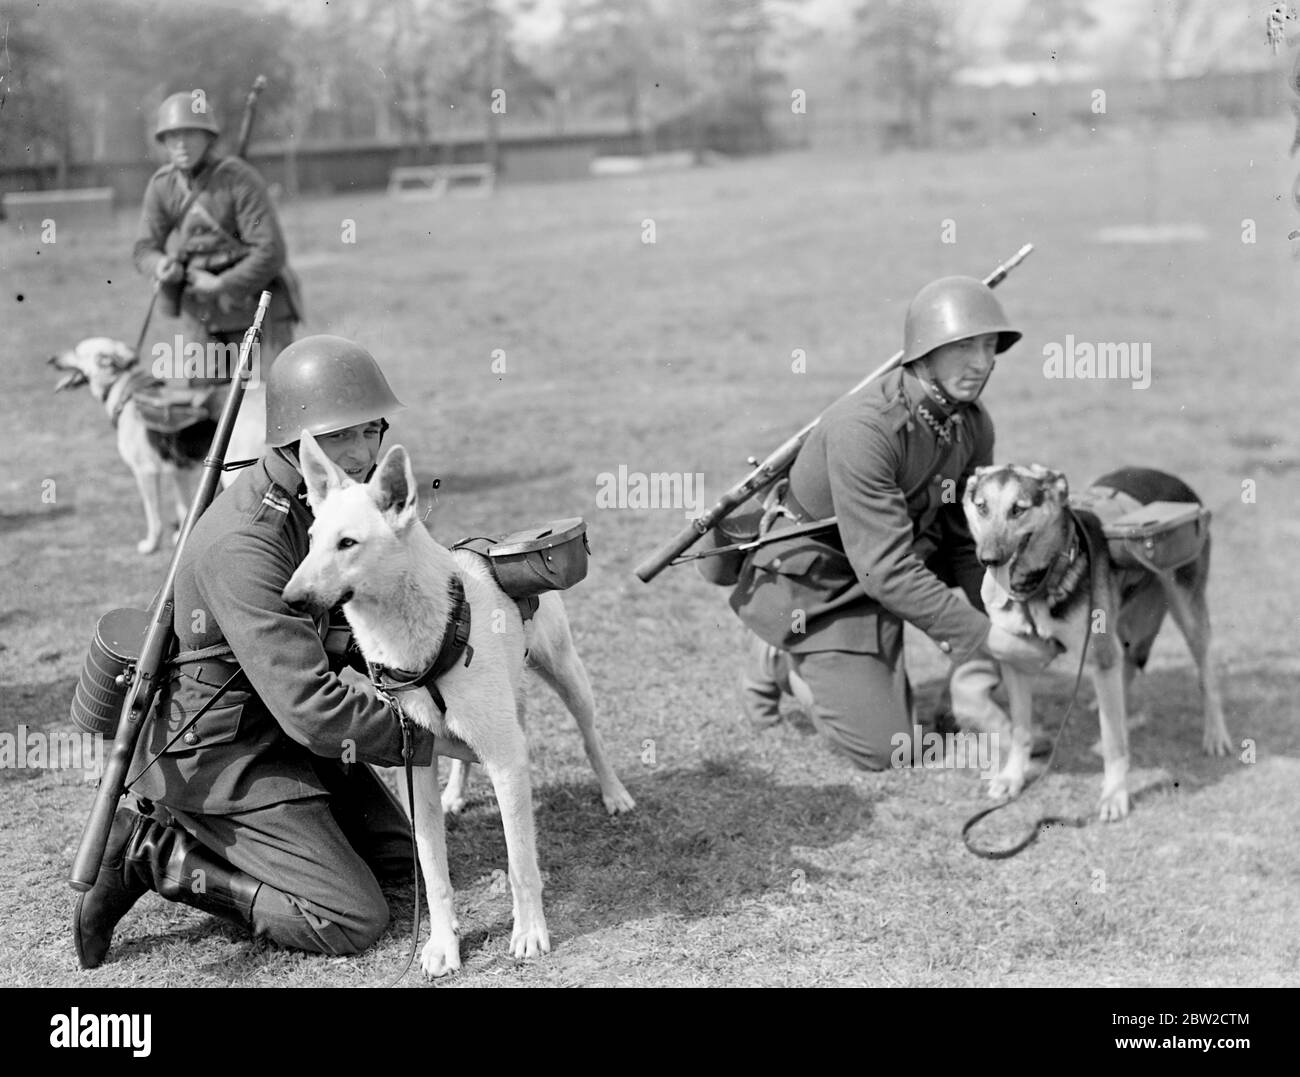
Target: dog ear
<point>123,355</point>
<point>320,472</point>
<point>1055,485</point>
<point>394,488</point>
<point>973,480</point>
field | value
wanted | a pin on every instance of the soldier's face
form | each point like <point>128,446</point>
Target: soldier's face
<point>962,367</point>
<point>187,146</point>
<point>354,449</point>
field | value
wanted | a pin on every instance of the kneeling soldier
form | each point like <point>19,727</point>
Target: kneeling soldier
<point>890,463</point>
<point>265,813</point>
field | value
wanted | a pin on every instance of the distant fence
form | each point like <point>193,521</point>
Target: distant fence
<point>349,166</point>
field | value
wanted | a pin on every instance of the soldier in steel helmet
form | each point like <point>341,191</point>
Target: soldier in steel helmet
<point>890,463</point>
<point>264,813</point>
<point>219,248</point>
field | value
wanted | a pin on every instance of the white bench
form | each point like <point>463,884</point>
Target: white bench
<point>434,181</point>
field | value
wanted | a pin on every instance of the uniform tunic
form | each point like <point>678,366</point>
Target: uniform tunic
<point>232,222</point>
<point>836,602</point>
<point>271,778</point>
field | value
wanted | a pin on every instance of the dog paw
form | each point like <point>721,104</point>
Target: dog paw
<point>1217,742</point>
<point>1006,785</point>
<point>1113,806</point>
<point>618,800</point>
<point>530,941</point>
<point>148,545</point>
<point>440,957</point>
<point>453,803</point>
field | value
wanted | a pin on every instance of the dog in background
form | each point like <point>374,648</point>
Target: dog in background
<point>111,370</point>
<point>1044,576</point>
<point>398,586</point>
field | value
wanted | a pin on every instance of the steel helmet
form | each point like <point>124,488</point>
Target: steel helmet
<point>951,309</point>
<point>187,109</point>
<point>323,384</point>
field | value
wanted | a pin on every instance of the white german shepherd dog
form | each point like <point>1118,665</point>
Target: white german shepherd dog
<point>370,551</point>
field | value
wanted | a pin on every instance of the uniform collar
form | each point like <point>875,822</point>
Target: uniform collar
<point>944,417</point>
<point>280,469</point>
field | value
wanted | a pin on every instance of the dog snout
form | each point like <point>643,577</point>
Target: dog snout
<point>992,560</point>
<point>302,600</point>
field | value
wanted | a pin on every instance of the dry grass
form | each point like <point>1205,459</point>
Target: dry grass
<point>750,859</point>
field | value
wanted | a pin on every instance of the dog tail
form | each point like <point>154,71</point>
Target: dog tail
<point>1147,485</point>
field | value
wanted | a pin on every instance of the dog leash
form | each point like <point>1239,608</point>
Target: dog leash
<point>1045,821</point>
<point>408,752</point>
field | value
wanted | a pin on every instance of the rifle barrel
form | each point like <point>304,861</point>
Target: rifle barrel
<point>158,639</point>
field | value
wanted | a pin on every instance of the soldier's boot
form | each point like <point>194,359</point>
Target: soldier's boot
<point>143,855</point>
<point>763,678</point>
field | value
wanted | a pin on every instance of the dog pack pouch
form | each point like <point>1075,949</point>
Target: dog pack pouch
<point>1160,536</point>
<point>552,557</point>
<point>741,526</point>
<point>169,409</point>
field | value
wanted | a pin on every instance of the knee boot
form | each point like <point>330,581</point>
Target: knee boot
<point>762,680</point>
<point>143,855</point>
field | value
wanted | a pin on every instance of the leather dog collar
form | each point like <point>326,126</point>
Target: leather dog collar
<point>455,643</point>
<point>1062,575</point>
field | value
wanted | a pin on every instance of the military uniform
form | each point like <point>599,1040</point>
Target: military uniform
<point>835,604</point>
<point>273,777</point>
<point>232,231</point>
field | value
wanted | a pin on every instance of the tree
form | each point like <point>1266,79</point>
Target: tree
<point>35,121</point>
<point>913,51</point>
<point>624,58</point>
<point>1050,29</point>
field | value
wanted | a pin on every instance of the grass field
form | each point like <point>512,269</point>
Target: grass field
<point>751,859</point>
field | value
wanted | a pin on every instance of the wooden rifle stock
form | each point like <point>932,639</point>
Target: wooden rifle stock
<point>150,668</point>
<point>778,463</point>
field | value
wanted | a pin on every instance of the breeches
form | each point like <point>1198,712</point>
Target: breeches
<point>319,860</point>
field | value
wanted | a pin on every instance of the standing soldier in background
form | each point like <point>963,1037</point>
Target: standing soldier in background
<point>210,239</point>
<point>891,464</point>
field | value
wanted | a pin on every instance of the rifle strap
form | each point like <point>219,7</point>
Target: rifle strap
<point>193,193</point>
<point>212,700</point>
<point>220,650</point>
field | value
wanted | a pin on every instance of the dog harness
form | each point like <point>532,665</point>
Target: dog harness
<point>455,643</point>
<point>1062,575</point>
<point>123,390</point>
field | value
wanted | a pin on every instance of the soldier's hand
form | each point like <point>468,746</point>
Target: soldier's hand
<point>168,270</point>
<point>1029,654</point>
<point>203,284</point>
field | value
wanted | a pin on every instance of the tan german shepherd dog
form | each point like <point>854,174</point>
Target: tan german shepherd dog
<point>110,368</point>
<point>1040,579</point>
<point>370,551</point>
<point>112,371</point>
